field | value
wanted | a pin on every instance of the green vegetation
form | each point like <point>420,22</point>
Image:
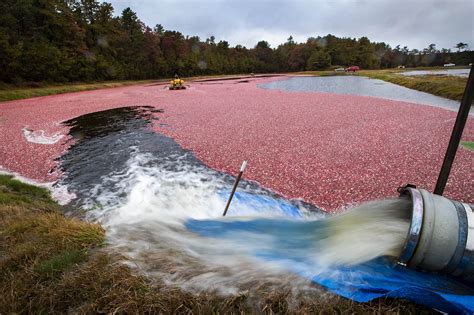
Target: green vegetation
<point>12,92</point>
<point>50,264</point>
<point>61,262</point>
<point>468,145</point>
<point>319,59</point>
<point>446,86</point>
<point>14,192</point>
<point>81,40</point>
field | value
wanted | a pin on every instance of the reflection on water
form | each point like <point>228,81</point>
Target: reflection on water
<point>355,85</point>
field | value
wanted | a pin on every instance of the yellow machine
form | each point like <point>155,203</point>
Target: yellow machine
<point>177,84</point>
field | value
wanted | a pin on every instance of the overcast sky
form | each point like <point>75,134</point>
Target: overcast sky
<point>415,23</point>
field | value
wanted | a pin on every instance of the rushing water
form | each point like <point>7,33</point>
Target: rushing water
<point>162,208</point>
<point>356,85</point>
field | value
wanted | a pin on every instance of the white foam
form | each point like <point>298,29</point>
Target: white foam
<point>144,210</point>
<point>61,194</point>
<point>40,137</point>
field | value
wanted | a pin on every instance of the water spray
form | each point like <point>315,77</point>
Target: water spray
<point>237,180</point>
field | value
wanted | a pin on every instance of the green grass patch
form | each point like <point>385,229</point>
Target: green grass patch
<point>14,186</point>
<point>13,191</point>
<point>61,262</point>
<point>468,145</point>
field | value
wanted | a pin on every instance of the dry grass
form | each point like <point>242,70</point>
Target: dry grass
<point>53,265</point>
<point>130,293</point>
<point>103,284</point>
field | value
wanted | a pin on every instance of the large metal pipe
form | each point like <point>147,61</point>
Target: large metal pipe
<point>441,235</point>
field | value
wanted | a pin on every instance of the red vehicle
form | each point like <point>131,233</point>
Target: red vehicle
<point>352,69</point>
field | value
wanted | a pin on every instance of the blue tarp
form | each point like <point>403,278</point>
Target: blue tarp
<point>260,203</point>
<point>361,283</point>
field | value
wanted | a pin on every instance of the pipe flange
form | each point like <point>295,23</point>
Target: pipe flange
<point>415,225</point>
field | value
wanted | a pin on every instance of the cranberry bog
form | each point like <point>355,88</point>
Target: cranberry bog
<point>327,149</point>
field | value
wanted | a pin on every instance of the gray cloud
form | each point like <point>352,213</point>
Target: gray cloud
<point>413,23</point>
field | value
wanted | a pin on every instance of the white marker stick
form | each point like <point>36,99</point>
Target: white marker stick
<point>237,180</point>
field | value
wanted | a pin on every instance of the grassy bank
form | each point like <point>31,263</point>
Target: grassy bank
<point>445,86</point>
<point>13,92</point>
<point>51,264</point>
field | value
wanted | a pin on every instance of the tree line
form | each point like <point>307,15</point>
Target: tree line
<point>82,40</point>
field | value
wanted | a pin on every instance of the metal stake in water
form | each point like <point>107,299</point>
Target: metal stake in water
<point>237,180</point>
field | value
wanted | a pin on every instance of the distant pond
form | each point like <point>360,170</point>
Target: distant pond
<point>355,85</point>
